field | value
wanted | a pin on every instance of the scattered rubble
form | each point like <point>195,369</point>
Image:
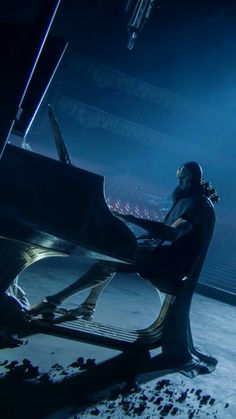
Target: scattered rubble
<point>166,398</point>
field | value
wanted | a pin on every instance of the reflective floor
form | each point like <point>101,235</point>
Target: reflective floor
<point>77,380</point>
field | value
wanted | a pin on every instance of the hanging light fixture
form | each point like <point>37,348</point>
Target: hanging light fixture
<point>138,12</point>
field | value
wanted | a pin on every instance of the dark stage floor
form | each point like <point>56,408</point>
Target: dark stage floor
<point>131,302</point>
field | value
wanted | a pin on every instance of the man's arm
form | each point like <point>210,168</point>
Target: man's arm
<point>161,230</point>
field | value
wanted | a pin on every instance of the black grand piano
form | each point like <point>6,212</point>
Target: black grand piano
<point>51,208</point>
<point>48,207</point>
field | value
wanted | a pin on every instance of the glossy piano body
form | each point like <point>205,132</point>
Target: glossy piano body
<point>59,208</point>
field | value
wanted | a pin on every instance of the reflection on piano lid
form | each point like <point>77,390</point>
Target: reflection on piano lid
<point>59,207</point>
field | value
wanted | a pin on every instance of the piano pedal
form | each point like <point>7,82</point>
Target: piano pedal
<point>61,315</point>
<point>68,316</point>
<point>85,312</point>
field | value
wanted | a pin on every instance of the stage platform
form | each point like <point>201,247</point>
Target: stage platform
<point>78,380</point>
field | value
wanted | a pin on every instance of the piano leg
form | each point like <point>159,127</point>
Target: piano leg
<point>87,308</point>
<point>96,279</point>
<point>97,275</point>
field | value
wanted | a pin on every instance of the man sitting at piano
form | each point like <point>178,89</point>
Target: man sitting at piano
<point>165,265</point>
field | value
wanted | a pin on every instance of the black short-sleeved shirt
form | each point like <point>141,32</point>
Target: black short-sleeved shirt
<point>176,260</point>
<point>187,247</point>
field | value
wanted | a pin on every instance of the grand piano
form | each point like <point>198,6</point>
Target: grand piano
<point>51,208</point>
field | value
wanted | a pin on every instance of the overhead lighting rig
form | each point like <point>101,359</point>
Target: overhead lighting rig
<point>138,12</point>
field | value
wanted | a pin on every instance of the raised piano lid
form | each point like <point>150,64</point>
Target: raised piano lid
<point>58,206</point>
